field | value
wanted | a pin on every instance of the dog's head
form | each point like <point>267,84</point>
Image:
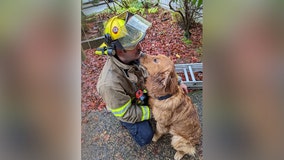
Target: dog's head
<point>162,78</point>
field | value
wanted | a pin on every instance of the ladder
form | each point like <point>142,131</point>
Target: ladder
<point>189,71</point>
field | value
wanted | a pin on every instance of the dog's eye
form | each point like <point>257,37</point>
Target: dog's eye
<point>155,60</point>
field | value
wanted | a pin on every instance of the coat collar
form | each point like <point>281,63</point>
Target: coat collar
<point>164,97</point>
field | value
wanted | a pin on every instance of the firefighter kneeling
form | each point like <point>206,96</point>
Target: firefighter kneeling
<point>122,76</point>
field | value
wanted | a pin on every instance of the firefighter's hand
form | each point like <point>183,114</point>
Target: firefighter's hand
<point>184,88</point>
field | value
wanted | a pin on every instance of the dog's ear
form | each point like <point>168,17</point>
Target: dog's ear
<point>166,78</point>
<point>161,79</point>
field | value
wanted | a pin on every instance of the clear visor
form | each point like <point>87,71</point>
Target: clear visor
<point>136,28</point>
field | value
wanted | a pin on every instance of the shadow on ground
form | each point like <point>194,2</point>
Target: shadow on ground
<point>103,138</point>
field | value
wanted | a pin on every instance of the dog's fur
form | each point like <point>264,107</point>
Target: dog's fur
<point>175,115</point>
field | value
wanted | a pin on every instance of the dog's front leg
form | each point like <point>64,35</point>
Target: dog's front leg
<point>160,130</point>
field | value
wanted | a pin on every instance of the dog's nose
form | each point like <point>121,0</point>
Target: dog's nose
<point>143,55</point>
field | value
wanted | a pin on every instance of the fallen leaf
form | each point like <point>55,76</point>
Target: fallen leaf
<point>106,137</point>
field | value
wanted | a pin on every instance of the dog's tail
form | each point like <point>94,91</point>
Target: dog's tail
<point>181,144</point>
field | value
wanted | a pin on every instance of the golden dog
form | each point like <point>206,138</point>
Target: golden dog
<point>171,107</point>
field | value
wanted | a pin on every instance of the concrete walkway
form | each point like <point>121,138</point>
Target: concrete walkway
<point>96,9</point>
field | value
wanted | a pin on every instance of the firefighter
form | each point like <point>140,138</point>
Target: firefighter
<point>122,77</point>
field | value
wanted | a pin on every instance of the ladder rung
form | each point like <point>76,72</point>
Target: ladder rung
<point>191,73</point>
<point>185,74</point>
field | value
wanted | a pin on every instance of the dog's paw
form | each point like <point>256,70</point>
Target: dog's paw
<point>178,155</point>
<point>155,138</point>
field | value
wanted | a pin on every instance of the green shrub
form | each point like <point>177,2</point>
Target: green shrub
<point>133,6</point>
<point>153,10</point>
<point>186,40</point>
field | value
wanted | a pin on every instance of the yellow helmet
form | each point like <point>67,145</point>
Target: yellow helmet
<point>126,29</point>
<point>115,27</point>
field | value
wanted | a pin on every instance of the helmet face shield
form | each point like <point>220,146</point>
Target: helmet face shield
<point>128,29</point>
<point>136,27</point>
<point>132,38</point>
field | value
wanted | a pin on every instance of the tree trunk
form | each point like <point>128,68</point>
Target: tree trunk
<point>187,24</point>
